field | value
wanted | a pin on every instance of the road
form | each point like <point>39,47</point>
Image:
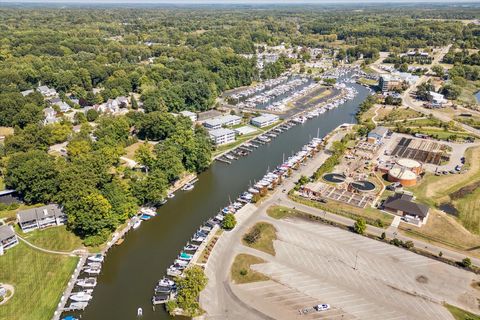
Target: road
<point>221,300</point>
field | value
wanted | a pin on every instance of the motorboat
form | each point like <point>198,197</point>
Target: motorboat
<point>165,282</point>
<point>185,256</point>
<point>139,312</point>
<point>87,282</point>
<point>77,306</point>
<point>181,263</point>
<point>96,258</point>
<point>160,298</point>
<point>145,217</point>
<point>173,271</point>
<point>81,296</point>
<point>69,318</point>
<point>170,195</point>
<point>95,264</point>
<point>190,247</point>
<point>163,289</point>
<point>188,187</point>
<point>92,270</point>
<point>137,224</point>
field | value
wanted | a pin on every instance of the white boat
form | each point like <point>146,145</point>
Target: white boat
<point>95,264</point>
<point>78,305</point>
<point>187,187</point>
<point>170,195</point>
<point>139,312</point>
<point>173,272</point>
<point>163,201</point>
<point>87,282</point>
<point>96,258</point>
<point>92,270</point>
<point>165,282</point>
<point>81,296</point>
<point>137,224</point>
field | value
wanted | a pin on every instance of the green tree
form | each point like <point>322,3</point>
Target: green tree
<point>466,262</point>
<point>92,115</point>
<point>189,288</point>
<point>229,221</point>
<point>360,226</point>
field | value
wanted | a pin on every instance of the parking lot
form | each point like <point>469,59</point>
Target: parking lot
<point>360,278</point>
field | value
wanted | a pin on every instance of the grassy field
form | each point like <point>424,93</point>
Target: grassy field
<point>468,92</point>
<point>469,208</point>
<point>397,114</point>
<point>370,214</point>
<point>460,314</point>
<point>279,212</point>
<point>264,243</point>
<point>240,271</point>
<point>55,238</point>
<point>38,279</point>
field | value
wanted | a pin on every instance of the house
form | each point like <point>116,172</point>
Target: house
<point>377,134</point>
<point>46,91</point>
<point>9,196</point>
<point>388,82</point>
<point>245,130</point>
<point>403,205</point>
<point>222,136</point>
<point>202,116</point>
<point>41,217</point>
<point>265,120</point>
<point>189,114</point>
<point>221,121</point>
<point>26,92</point>
<point>8,238</point>
<point>50,116</point>
<point>438,99</point>
<point>63,106</point>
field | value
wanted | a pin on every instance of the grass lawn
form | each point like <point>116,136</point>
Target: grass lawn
<point>130,150</point>
<point>39,280</point>
<point>2,184</point>
<point>468,92</point>
<point>267,233</point>
<point>469,208</point>
<point>54,238</point>
<point>460,314</point>
<point>241,272</point>
<point>397,114</point>
<point>368,82</point>
<point>370,214</point>
<point>279,212</point>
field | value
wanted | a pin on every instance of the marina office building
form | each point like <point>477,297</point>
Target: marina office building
<point>222,121</point>
<point>222,136</point>
<point>265,120</point>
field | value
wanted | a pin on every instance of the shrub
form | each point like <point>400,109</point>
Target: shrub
<point>252,236</point>
<point>383,236</point>
<point>467,263</point>
<point>229,222</point>
<point>360,226</point>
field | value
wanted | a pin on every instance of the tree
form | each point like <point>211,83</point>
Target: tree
<point>189,288</point>
<point>124,204</point>
<point>438,70</point>
<point>92,115</point>
<point>360,226</point>
<point>33,174</point>
<point>151,188</point>
<point>466,262</point>
<point>229,221</point>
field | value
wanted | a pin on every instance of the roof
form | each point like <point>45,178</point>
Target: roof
<point>208,114</point>
<point>187,113</point>
<point>408,163</point>
<point>380,130</point>
<point>403,202</point>
<point>220,132</point>
<point>221,120</point>
<point>245,130</point>
<point>402,173</point>
<point>6,232</point>
<point>266,117</point>
<point>51,210</point>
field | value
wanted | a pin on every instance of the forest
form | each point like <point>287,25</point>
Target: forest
<point>169,60</point>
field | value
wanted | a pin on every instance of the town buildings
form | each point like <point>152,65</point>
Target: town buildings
<point>264,120</point>
<point>403,205</point>
<point>222,136</point>
<point>222,121</point>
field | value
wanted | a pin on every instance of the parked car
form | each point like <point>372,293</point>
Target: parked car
<point>322,307</point>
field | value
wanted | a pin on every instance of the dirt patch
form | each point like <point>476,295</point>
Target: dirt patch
<point>476,285</point>
<point>422,279</point>
<point>464,191</point>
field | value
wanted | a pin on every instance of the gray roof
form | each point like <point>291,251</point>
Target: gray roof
<point>208,114</point>
<point>220,132</point>
<point>380,131</point>
<point>403,202</point>
<point>6,232</point>
<point>51,210</point>
<point>221,120</point>
<point>266,117</point>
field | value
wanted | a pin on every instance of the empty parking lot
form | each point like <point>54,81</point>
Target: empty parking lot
<point>360,278</point>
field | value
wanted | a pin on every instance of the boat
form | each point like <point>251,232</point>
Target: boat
<point>145,217</point>
<point>77,306</point>
<point>92,270</point>
<point>87,282</point>
<point>160,298</point>
<point>165,282</point>
<point>94,264</point>
<point>181,263</point>
<point>190,247</point>
<point>173,271</point>
<point>198,238</point>
<point>96,258</point>
<point>187,187</point>
<point>170,195</point>
<point>163,201</point>
<point>163,289</point>
<point>139,312</point>
<point>185,256</point>
<point>69,318</point>
<point>81,296</point>
<point>137,224</point>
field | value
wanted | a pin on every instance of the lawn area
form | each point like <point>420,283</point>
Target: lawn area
<point>372,216</point>
<point>261,237</point>
<point>241,272</point>
<point>468,91</point>
<point>39,280</point>
<point>368,82</point>
<point>279,212</point>
<point>469,208</point>
<point>239,141</point>
<point>54,238</point>
<point>397,114</point>
<point>130,150</point>
<point>460,314</point>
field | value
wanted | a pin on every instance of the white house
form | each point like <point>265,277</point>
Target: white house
<point>222,136</point>
<point>41,217</point>
<point>437,98</point>
<point>8,238</point>
<point>265,120</point>
<point>46,91</point>
<point>218,122</point>
<point>50,116</point>
<point>26,92</point>
<point>189,114</point>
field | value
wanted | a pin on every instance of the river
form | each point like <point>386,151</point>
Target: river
<point>131,270</point>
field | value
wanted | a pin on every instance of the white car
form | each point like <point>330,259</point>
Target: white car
<point>322,307</point>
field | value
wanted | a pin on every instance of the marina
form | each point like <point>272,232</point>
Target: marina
<point>135,267</point>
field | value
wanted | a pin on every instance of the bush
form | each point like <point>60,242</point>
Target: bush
<point>467,263</point>
<point>243,272</point>
<point>229,222</point>
<point>360,226</point>
<point>252,236</point>
<point>383,236</point>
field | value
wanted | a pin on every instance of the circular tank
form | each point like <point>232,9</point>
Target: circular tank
<point>405,176</point>
<point>363,186</point>
<point>334,177</point>
<point>410,164</point>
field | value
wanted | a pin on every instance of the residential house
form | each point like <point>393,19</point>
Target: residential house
<point>46,91</point>
<point>8,238</point>
<point>403,205</point>
<point>265,120</point>
<point>50,116</point>
<point>189,114</point>
<point>222,136</point>
<point>221,121</point>
<point>41,217</point>
<point>26,92</point>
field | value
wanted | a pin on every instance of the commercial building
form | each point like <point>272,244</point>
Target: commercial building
<point>265,120</point>
<point>403,205</point>
<point>222,136</point>
<point>41,217</point>
<point>388,82</point>
<point>8,238</point>
<point>221,121</point>
<point>377,134</point>
<point>410,164</point>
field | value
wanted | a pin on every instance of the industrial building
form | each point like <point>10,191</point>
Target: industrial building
<point>403,205</point>
<point>265,120</point>
<point>377,134</point>
<point>404,176</point>
<point>222,136</point>
<point>422,150</point>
